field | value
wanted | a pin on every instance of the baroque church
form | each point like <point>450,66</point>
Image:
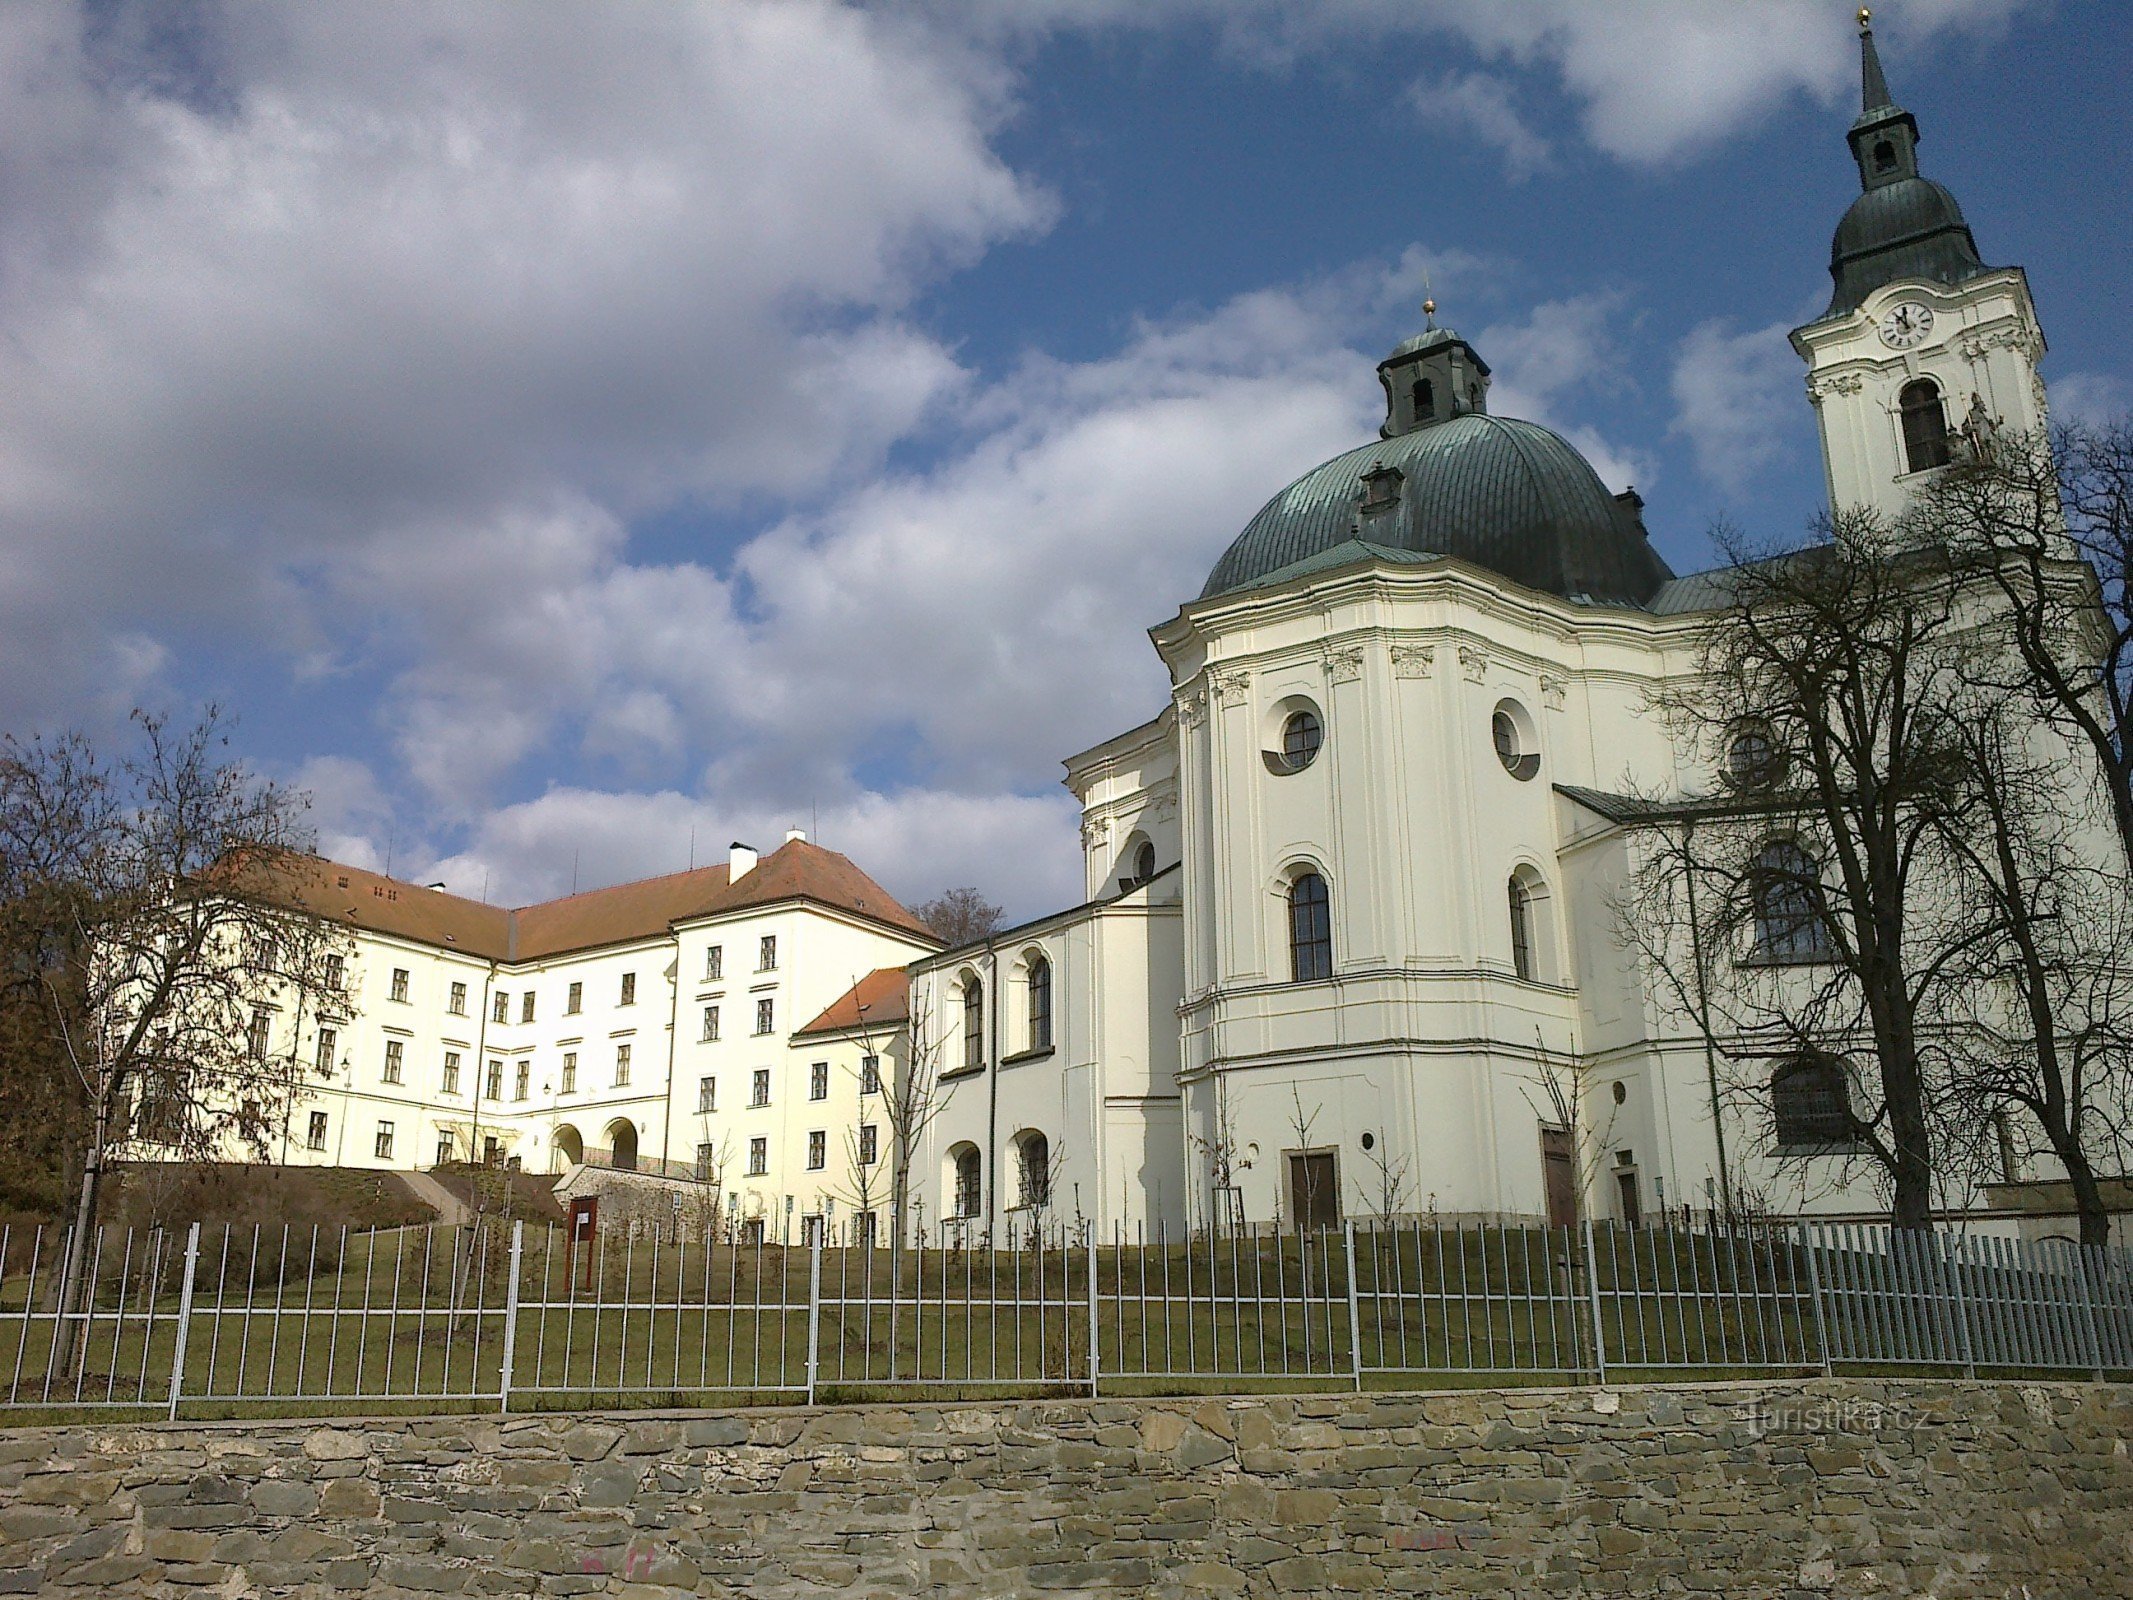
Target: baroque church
<point>1350,944</point>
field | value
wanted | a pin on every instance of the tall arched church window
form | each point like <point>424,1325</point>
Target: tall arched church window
<point>1521,930</point>
<point>1040,1003</point>
<point>973,1022</point>
<point>1787,893</point>
<point>1925,425</point>
<point>1310,929</point>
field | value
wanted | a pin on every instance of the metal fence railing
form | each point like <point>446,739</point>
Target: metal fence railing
<point>256,1318</point>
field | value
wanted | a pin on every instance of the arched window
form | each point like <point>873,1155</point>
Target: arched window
<point>1810,1104</point>
<point>1144,861</point>
<point>1787,889</point>
<point>1925,425</point>
<point>1521,930</point>
<point>1034,1158</point>
<point>1754,759</point>
<point>973,1022</point>
<point>1884,156</point>
<point>1425,399</point>
<point>1310,929</point>
<point>1040,1003</point>
<point>969,1180</point>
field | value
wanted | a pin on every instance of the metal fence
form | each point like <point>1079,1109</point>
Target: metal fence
<point>222,1320</point>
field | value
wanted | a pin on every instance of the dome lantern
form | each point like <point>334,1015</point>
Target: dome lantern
<point>1431,378</point>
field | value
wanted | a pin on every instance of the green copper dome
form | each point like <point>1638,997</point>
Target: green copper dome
<point>1911,228</point>
<point>1507,495</point>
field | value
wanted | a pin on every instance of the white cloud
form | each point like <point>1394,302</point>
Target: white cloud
<point>2089,397</point>
<point>1020,849</point>
<point>1481,104</point>
<point>1736,400</point>
<point>392,268</point>
<point>1654,80</point>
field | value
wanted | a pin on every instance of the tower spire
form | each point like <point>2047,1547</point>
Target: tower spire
<point>1873,85</point>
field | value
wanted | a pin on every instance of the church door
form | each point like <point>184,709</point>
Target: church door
<point>1557,1178</point>
<point>1314,1190</point>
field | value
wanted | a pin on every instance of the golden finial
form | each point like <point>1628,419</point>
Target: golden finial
<point>1429,303</point>
<point>1866,19</point>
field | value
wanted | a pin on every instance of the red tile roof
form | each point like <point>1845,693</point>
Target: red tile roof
<point>882,996</point>
<point>646,909</point>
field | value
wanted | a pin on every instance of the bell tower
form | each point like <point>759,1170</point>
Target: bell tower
<point>1923,346</point>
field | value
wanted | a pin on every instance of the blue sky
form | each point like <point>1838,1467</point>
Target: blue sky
<point>562,431</point>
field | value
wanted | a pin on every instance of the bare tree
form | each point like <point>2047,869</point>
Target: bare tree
<point>1827,681</point>
<point>1224,1157</point>
<point>175,944</point>
<point>1390,1199</point>
<point>2048,524</point>
<point>1301,1124</point>
<point>960,916</point>
<point>2049,1029</point>
<point>1561,1087</point>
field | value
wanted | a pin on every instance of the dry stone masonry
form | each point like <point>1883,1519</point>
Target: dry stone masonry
<point>1797,1490</point>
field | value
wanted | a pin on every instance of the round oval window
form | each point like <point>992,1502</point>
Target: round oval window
<point>1513,748</point>
<point>1301,736</point>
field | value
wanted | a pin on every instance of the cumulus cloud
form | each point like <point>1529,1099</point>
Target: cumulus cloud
<point>1653,80</point>
<point>1481,104</point>
<point>1561,351</point>
<point>915,842</point>
<point>1736,400</point>
<point>371,271</point>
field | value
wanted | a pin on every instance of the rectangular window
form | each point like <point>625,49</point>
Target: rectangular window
<point>451,1072</point>
<point>622,1066</point>
<point>336,973</point>
<point>818,1081</point>
<point>767,954</point>
<point>395,1058</point>
<point>457,1004</point>
<point>758,1157</point>
<point>444,1149</point>
<point>574,1001</point>
<point>870,1074</point>
<point>714,963</point>
<point>629,988</point>
<point>399,990</point>
<point>525,1006</point>
<point>329,1044</point>
<point>817,1150</point>
<point>500,1007</point>
<point>570,1072</point>
<point>493,1084</point>
<point>762,1016</point>
<point>869,1144</point>
<point>759,1089</point>
<point>710,1024</point>
<point>255,1037</point>
<point>315,1135</point>
<point>706,1164</point>
<point>383,1149</point>
<point>522,1083</point>
<point>706,1094</point>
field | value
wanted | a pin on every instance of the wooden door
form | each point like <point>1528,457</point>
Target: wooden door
<point>1559,1178</point>
<point>1314,1190</point>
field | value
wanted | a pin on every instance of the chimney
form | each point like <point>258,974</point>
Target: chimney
<point>740,861</point>
<point>796,836</point>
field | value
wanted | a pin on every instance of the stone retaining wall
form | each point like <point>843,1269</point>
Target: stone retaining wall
<point>1797,1489</point>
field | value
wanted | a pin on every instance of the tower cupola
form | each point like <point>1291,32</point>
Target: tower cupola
<point>1431,378</point>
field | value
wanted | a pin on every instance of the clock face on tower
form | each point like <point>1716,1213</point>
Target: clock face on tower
<point>1905,323</point>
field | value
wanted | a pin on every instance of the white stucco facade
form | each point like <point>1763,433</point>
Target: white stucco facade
<point>1381,708</point>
